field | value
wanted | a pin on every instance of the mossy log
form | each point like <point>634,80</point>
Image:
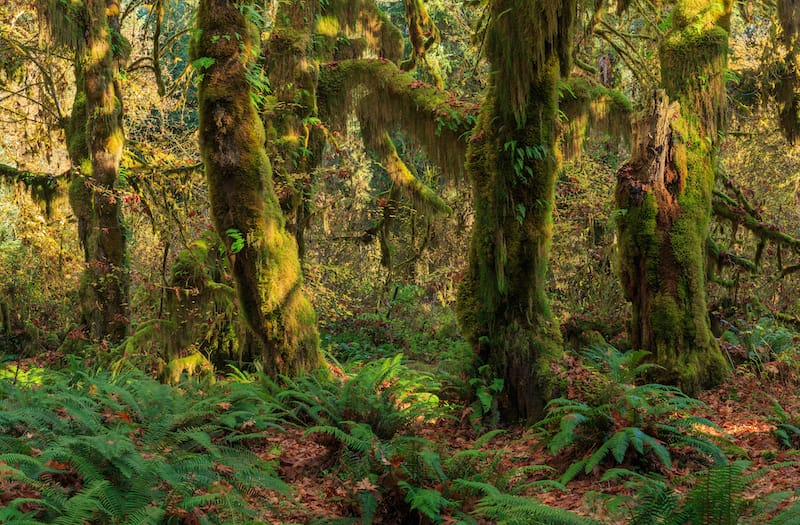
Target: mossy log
<point>665,190</point>
<point>266,269</point>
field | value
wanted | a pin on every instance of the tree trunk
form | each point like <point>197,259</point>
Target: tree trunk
<point>512,162</point>
<point>104,285</point>
<point>665,191</point>
<point>282,323</point>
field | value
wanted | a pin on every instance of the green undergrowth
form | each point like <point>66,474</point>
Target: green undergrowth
<point>425,332</point>
<point>619,419</point>
<point>82,446</point>
<point>715,496</point>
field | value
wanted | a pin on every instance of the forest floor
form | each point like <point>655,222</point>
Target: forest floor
<point>743,408</point>
<point>324,489</point>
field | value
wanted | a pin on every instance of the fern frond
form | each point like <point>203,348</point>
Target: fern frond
<point>515,510</point>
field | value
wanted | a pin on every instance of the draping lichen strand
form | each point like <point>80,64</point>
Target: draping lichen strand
<point>423,198</point>
<point>521,38</point>
<point>432,117</point>
<point>265,265</point>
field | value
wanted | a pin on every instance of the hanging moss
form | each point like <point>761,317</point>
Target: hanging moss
<point>379,142</point>
<point>44,188</point>
<point>434,118</point>
<point>66,20</point>
<point>592,109</point>
<point>522,38</point>
<point>363,19</point>
<point>282,324</point>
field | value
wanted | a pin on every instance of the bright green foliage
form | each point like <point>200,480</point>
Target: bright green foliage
<point>126,449</point>
<point>623,421</point>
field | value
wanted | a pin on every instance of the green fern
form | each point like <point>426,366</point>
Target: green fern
<point>624,421</point>
<point>716,498</point>
<point>126,449</point>
<point>505,509</point>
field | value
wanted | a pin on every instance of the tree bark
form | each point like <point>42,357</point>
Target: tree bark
<point>282,323</point>
<point>665,192</point>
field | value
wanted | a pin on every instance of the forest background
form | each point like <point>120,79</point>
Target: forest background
<point>118,264</point>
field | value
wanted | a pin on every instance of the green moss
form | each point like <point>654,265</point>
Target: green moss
<point>591,107</point>
<point>502,305</point>
<point>668,208</point>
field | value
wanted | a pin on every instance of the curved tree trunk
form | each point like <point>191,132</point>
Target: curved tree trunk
<point>665,190</point>
<point>512,162</point>
<point>283,332</point>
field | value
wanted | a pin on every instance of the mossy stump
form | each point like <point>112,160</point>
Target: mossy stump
<point>665,191</point>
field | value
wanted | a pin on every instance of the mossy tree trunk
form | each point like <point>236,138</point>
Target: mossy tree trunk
<point>263,255</point>
<point>512,161</point>
<point>95,141</point>
<point>104,285</point>
<point>665,191</point>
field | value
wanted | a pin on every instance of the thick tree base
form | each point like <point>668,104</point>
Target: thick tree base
<point>525,358</point>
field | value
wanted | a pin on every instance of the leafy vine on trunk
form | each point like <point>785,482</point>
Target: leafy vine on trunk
<point>512,162</point>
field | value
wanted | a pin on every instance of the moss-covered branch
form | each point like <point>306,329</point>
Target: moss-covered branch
<point>721,257</point>
<point>590,107</point>
<point>725,208</point>
<point>380,143</point>
<point>44,187</point>
<point>433,117</point>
